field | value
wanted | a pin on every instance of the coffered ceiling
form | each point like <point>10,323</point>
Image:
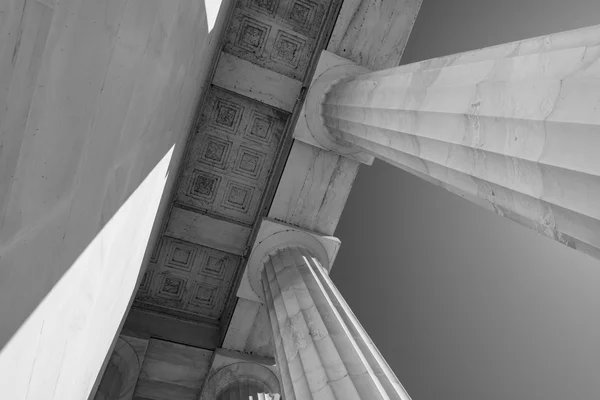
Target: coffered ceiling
<point>231,156</point>
<point>266,53</point>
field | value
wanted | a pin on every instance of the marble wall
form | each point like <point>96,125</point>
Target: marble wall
<point>96,101</point>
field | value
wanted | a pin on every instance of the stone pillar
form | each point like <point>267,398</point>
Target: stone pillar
<point>514,128</point>
<point>322,351</point>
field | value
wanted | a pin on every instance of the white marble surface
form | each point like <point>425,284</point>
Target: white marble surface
<point>97,98</point>
<point>514,127</point>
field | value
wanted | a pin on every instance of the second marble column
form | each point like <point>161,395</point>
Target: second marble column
<point>322,350</point>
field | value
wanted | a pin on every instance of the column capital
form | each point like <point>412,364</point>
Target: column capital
<point>273,236</point>
<point>310,127</point>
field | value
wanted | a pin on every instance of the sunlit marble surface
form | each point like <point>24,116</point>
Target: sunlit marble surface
<point>96,101</point>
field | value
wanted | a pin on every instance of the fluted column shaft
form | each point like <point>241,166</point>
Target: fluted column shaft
<point>514,128</point>
<point>321,349</point>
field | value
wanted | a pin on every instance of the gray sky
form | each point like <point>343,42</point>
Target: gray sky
<point>466,305</point>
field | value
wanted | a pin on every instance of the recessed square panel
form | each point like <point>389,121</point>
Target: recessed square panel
<point>214,151</point>
<point>226,115</point>
<point>252,35</point>
<point>301,13</point>
<point>237,196</point>
<point>171,287</point>
<point>180,256</point>
<point>260,128</point>
<point>255,33</point>
<point>249,162</point>
<point>203,185</point>
<point>287,48</point>
<point>205,295</point>
<point>268,7</point>
<point>215,264</point>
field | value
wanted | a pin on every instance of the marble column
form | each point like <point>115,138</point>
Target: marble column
<point>322,351</point>
<point>514,128</point>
